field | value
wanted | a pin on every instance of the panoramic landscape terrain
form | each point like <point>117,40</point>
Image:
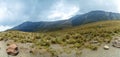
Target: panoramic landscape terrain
<point>59,28</point>
<point>63,40</point>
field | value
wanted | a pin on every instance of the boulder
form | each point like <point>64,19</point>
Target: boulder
<point>106,47</point>
<point>12,49</point>
<point>116,42</point>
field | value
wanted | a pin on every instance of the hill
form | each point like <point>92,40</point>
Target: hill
<point>77,37</point>
<point>93,16</point>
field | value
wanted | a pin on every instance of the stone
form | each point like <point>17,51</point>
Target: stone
<point>12,49</point>
<point>116,42</point>
<point>94,42</point>
<point>106,47</point>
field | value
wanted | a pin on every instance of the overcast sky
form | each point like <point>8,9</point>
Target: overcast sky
<point>14,12</point>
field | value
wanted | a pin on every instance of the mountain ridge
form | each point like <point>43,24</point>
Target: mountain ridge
<point>93,16</point>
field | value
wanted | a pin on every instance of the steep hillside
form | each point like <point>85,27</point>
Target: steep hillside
<point>93,16</point>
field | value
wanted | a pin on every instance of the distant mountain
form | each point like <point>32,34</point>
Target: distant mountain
<point>93,16</point>
<point>42,26</point>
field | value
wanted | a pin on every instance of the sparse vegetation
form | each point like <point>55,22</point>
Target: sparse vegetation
<point>78,37</point>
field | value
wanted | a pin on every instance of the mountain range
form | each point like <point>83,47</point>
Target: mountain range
<point>93,16</point>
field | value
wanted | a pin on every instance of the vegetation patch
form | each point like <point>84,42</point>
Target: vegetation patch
<point>78,37</point>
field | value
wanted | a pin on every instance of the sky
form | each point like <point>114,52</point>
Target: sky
<point>15,12</point>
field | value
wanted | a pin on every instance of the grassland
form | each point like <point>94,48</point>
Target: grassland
<point>85,36</point>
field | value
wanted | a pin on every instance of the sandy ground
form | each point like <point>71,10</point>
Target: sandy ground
<point>3,50</point>
<point>22,52</point>
<point>112,52</point>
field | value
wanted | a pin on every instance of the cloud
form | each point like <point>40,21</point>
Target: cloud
<point>62,10</point>
<point>3,10</point>
<point>90,5</point>
<point>11,12</point>
<point>3,28</point>
<point>14,12</point>
<point>117,5</point>
<point>18,11</point>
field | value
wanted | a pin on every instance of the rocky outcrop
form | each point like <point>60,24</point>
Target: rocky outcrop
<point>12,50</point>
<point>116,42</point>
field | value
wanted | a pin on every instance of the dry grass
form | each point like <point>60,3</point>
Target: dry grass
<point>78,37</point>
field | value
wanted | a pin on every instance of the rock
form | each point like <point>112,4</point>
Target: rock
<point>106,47</point>
<point>12,50</point>
<point>94,42</point>
<point>116,42</point>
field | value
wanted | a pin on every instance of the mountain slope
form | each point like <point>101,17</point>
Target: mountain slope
<point>79,37</point>
<point>77,20</point>
<point>42,26</point>
<point>94,16</point>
